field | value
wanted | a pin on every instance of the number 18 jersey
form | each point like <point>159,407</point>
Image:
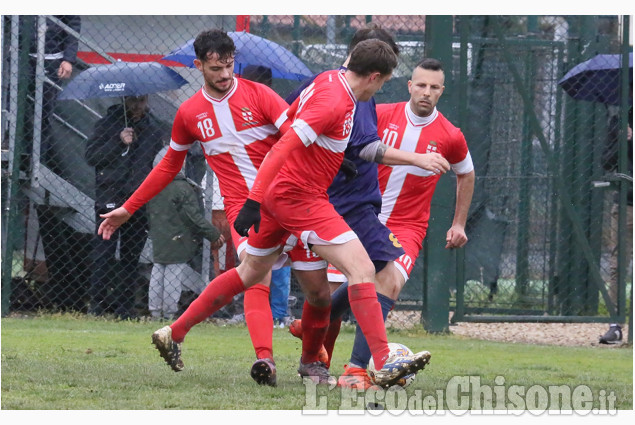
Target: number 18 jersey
<point>236,132</point>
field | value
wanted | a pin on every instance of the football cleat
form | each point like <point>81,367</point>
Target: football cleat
<point>295,328</point>
<point>316,372</point>
<point>397,366</point>
<point>168,349</point>
<point>355,377</point>
<point>263,371</point>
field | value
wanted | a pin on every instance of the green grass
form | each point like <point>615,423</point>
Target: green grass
<point>76,362</point>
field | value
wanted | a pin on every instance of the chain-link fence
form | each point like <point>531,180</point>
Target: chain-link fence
<point>545,214</point>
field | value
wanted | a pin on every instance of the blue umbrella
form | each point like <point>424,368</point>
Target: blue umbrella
<point>252,50</point>
<point>122,79</point>
<point>597,79</point>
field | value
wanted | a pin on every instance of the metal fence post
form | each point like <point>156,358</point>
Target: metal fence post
<point>11,211</point>
<point>439,272</point>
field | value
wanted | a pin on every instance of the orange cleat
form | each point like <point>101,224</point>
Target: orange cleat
<point>296,328</point>
<point>323,356</point>
<point>355,377</point>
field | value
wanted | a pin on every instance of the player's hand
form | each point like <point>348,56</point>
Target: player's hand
<point>349,169</point>
<point>248,216</point>
<point>112,221</point>
<point>218,242</point>
<point>456,237</point>
<point>433,162</point>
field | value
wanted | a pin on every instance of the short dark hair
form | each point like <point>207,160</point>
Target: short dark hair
<point>430,64</point>
<point>258,73</point>
<point>214,41</point>
<point>373,31</point>
<point>370,56</point>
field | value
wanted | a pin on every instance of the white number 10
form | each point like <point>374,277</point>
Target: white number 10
<point>390,138</point>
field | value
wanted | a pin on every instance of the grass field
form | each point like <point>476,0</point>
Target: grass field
<point>75,362</point>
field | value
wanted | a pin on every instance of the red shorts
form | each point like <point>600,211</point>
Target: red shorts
<point>240,242</point>
<point>411,241</point>
<point>285,222</point>
<point>334,275</point>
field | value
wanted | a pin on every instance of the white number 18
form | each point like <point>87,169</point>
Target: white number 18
<point>206,127</point>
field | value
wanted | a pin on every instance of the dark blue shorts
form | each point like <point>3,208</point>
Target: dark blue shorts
<point>380,244</point>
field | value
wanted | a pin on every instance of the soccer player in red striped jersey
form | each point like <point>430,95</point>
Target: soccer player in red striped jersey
<point>236,121</point>
<point>291,186</point>
<point>414,126</point>
<point>417,126</point>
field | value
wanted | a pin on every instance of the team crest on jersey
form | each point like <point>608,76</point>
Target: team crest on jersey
<point>248,117</point>
<point>348,124</point>
<point>432,146</point>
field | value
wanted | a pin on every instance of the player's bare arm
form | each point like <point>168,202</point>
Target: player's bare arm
<point>383,154</point>
<point>456,237</point>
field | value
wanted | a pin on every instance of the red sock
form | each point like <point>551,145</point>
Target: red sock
<point>331,335</point>
<point>367,312</point>
<point>259,320</point>
<point>315,321</point>
<point>219,292</point>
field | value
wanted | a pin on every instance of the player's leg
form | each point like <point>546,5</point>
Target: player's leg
<point>221,291</point>
<point>388,279</point>
<point>352,260</point>
<point>382,248</point>
<point>326,233</point>
<point>256,305</point>
<point>310,270</point>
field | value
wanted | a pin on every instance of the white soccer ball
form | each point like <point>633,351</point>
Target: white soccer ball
<point>400,350</point>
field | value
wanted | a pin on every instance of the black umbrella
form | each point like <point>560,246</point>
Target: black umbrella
<point>597,79</point>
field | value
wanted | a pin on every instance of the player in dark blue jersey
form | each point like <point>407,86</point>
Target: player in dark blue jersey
<point>356,197</point>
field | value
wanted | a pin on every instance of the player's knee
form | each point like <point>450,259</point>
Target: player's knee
<point>390,281</point>
<point>319,297</point>
<point>314,286</point>
<point>361,271</point>
<point>253,271</point>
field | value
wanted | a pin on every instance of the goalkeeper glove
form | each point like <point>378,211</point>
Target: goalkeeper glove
<point>248,216</point>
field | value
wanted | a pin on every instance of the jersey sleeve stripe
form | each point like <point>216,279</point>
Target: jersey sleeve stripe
<point>464,166</point>
<point>333,145</point>
<point>179,147</point>
<point>304,131</point>
<point>282,118</point>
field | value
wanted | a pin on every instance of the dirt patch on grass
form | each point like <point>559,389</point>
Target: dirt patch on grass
<point>564,334</point>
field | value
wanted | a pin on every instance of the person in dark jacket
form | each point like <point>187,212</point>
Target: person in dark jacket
<point>122,149</point>
<point>610,161</point>
<point>176,226</point>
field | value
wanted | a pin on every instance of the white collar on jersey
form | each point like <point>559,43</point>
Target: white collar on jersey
<point>420,121</point>
<point>225,96</point>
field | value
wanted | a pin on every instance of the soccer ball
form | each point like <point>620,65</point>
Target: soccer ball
<point>400,350</point>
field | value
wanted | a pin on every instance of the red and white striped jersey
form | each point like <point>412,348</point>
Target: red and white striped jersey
<point>322,117</point>
<point>236,132</point>
<point>407,190</point>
